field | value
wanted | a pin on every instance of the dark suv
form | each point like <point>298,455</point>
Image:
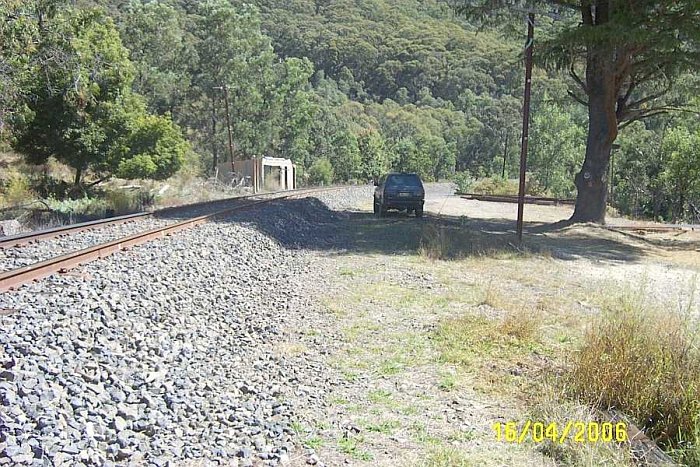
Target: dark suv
<point>400,191</point>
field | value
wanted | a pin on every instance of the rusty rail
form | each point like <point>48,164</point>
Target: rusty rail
<point>514,199</point>
<point>29,237</point>
<point>16,277</point>
<point>654,228</point>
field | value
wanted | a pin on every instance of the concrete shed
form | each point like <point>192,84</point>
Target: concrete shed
<point>268,173</point>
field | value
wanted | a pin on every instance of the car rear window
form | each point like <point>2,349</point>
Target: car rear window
<point>403,180</point>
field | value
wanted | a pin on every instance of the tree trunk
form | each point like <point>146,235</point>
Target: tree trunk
<point>77,190</point>
<point>591,182</point>
<point>78,177</point>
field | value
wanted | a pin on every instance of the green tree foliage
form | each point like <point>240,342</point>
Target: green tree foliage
<point>556,150</point>
<point>321,172</point>
<point>298,111</point>
<point>77,103</point>
<point>374,154</point>
<point>79,106</point>
<point>155,149</point>
<point>163,53</point>
<point>681,153</point>
<point>637,167</point>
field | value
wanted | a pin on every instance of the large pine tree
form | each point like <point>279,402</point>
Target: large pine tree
<point>622,56</point>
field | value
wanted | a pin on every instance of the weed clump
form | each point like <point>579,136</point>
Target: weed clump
<point>645,362</point>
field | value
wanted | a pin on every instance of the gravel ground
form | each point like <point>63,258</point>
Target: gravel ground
<point>168,352</point>
<point>208,347</point>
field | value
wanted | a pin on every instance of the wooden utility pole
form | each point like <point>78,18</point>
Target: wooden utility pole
<point>505,155</point>
<point>228,122</point>
<point>214,147</point>
<point>526,121</point>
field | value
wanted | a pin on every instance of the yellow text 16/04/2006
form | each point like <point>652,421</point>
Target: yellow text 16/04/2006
<point>577,431</point>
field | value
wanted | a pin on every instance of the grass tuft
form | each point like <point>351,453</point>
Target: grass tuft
<point>444,456</point>
<point>440,242</point>
<point>462,339</point>
<point>521,324</point>
<point>351,446</point>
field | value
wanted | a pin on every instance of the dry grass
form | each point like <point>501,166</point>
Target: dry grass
<point>553,407</point>
<point>439,242</point>
<point>645,362</point>
<point>522,324</point>
<point>444,456</point>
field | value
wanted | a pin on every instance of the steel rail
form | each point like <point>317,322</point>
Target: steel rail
<point>12,241</point>
<point>654,228</point>
<point>514,199</point>
<point>28,237</point>
<point>16,277</point>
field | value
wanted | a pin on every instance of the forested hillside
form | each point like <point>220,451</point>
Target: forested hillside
<point>347,89</point>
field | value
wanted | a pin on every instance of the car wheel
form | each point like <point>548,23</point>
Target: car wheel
<point>419,212</point>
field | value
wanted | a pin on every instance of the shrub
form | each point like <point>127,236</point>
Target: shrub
<point>464,182</point>
<point>127,202</point>
<point>81,208</point>
<point>16,190</point>
<point>495,186</point>
<point>645,362</point>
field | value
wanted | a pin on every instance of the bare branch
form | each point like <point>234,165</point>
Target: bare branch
<point>651,97</point>
<point>579,81</point>
<point>640,117</point>
<point>576,98</point>
<point>646,113</point>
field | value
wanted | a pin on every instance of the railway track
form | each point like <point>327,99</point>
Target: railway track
<point>186,210</point>
<point>16,276</point>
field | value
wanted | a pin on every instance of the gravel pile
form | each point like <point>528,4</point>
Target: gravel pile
<point>347,199</point>
<point>308,223</point>
<point>167,352</point>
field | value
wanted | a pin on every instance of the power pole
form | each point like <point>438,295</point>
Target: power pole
<point>526,121</point>
<point>505,155</point>
<point>214,148</point>
<point>228,122</point>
